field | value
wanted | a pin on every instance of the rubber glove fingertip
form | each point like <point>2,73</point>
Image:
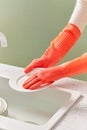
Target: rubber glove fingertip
<point>28,69</point>
<point>24,86</point>
<point>32,88</point>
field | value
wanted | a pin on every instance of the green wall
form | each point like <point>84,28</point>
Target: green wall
<point>30,25</point>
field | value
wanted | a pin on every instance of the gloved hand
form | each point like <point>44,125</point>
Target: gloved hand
<point>43,77</point>
<point>49,75</point>
<point>57,49</point>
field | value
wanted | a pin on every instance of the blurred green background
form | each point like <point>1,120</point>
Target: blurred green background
<point>30,25</point>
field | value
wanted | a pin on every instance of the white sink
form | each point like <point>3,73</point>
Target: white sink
<point>33,111</point>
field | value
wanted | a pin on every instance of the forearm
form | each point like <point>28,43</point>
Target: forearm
<point>74,67</point>
<point>60,46</point>
<point>79,15</point>
<point>68,36</point>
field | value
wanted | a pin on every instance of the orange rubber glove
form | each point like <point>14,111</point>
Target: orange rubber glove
<point>57,49</point>
<point>49,75</point>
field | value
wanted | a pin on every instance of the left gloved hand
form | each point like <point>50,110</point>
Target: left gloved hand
<point>58,48</point>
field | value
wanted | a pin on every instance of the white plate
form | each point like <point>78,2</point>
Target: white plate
<point>16,82</point>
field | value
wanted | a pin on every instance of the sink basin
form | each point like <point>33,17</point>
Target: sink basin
<point>39,110</point>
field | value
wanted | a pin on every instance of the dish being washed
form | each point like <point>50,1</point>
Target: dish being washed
<point>17,81</point>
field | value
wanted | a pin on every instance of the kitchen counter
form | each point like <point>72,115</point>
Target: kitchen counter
<point>76,118</point>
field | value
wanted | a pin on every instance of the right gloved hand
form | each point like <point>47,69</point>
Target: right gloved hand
<point>57,49</point>
<point>49,75</point>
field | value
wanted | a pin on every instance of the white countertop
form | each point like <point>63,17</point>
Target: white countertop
<point>76,118</point>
